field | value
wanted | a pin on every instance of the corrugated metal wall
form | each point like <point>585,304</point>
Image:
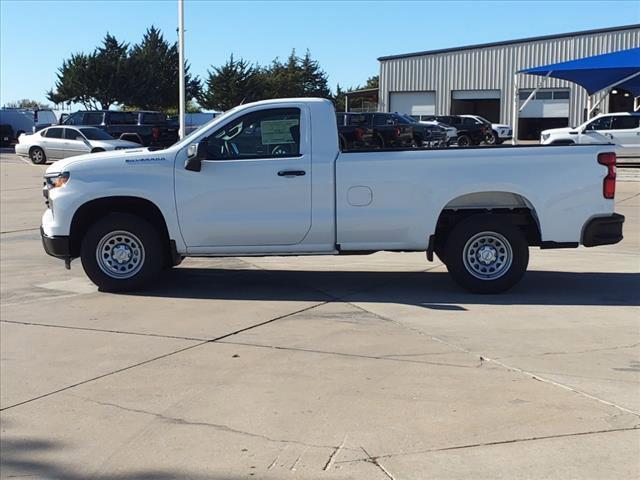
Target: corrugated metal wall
<point>493,68</point>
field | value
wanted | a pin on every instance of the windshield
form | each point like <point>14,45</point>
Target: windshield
<point>482,119</point>
<point>407,119</point>
<point>95,134</point>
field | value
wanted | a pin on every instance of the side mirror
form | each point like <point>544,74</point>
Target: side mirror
<point>196,152</point>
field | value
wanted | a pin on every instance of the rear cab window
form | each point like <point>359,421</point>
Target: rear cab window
<point>92,118</point>
<point>152,118</point>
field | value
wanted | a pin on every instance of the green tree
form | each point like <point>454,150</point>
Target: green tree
<point>96,80</point>
<point>74,84</point>
<point>235,82</point>
<point>153,74</point>
<point>372,82</point>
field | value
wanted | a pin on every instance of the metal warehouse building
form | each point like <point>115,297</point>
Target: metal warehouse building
<point>479,79</point>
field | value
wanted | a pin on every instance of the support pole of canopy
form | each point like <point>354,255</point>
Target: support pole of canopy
<point>606,91</point>
<point>515,112</point>
<point>516,100</point>
<point>181,93</point>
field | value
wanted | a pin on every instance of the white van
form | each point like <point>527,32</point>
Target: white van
<point>26,120</point>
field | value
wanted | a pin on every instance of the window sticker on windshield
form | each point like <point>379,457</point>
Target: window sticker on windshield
<point>277,131</point>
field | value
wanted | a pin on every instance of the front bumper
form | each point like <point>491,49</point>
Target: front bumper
<point>603,230</point>
<point>57,246</point>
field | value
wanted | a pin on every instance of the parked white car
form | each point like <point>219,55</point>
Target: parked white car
<point>622,129</point>
<point>56,143</point>
<point>499,131</point>
<point>268,178</point>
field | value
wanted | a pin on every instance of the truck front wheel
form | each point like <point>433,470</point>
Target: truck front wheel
<point>122,252</point>
<point>486,254</point>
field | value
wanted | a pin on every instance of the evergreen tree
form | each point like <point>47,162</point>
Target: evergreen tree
<point>235,82</point>
<point>153,74</point>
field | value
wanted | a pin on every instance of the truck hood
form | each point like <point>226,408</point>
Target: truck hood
<point>112,156</point>
<point>558,130</point>
<point>111,144</point>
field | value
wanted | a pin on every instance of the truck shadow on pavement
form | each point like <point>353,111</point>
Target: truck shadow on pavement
<point>427,289</point>
<point>29,458</point>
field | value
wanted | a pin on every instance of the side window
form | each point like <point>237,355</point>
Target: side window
<point>470,122</point>
<point>272,133</point>
<point>602,123</point>
<point>358,120</point>
<point>93,118</point>
<point>71,134</point>
<point>625,122</point>
<point>74,119</point>
<point>54,132</point>
<point>379,120</point>
<point>122,118</point>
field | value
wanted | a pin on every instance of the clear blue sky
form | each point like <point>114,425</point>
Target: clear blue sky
<point>345,37</point>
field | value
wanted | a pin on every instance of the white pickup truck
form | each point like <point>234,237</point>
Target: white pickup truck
<point>268,178</point>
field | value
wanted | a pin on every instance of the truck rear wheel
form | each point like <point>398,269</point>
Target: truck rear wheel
<point>485,254</point>
<point>122,252</point>
<point>464,140</point>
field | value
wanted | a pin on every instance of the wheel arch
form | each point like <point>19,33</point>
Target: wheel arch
<point>517,207</point>
<point>93,210</point>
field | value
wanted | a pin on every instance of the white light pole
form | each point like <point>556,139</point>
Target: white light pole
<point>181,66</point>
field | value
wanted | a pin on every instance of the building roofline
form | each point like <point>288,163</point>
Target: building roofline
<point>510,42</point>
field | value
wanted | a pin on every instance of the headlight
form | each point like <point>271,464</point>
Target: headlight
<point>56,180</point>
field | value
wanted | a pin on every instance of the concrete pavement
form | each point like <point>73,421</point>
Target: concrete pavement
<point>359,367</point>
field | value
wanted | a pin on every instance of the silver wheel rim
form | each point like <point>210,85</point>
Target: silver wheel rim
<point>487,255</point>
<point>37,155</point>
<point>120,254</point>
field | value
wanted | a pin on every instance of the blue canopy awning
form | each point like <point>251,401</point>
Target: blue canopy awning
<point>598,72</point>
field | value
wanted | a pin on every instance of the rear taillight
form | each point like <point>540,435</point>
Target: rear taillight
<point>609,183</point>
<point>359,133</point>
<point>155,133</point>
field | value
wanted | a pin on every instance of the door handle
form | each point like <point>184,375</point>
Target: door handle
<point>291,173</point>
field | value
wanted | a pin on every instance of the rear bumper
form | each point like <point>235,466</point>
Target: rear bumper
<point>603,230</point>
<point>56,246</point>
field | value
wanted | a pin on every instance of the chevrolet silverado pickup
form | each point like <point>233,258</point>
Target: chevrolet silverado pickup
<point>268,178</point>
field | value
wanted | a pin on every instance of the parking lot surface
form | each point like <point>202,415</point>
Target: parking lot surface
<point>363,367</point>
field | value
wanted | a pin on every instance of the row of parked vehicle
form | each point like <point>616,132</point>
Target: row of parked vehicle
<point>376,130</point>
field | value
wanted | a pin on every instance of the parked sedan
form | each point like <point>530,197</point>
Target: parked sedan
<point>55,143</point>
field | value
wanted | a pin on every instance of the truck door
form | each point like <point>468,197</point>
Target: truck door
<point>625,131</point>
<point>254,187</point>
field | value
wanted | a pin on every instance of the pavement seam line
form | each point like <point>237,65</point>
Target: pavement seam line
<point>129,367</point>
<point>346,354</point>
<point>217,426</point>
<point>504,365</point>
<point>375,461</point>
<point>498,442</point>
<point>100,330</point>
<point>20,230</point>
<point>205,342</point>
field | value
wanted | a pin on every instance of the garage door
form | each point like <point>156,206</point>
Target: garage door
<point>548,109</point>
<point>413,103</point>
<point>485,103</point>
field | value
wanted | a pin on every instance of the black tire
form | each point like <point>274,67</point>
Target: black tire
<point>491,138</point>
<point>37,156</point>
<point>464,140</point>
<point>494,236</point>
<point>124,231</point>
<point>97,150</point>
<point>499,141</point>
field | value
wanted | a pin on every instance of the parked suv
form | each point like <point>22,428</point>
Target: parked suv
<point>147,128</point>
<point>470,131</point>
<point>385,130</point>
<point>621,128</point>
<point>498,132</point>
